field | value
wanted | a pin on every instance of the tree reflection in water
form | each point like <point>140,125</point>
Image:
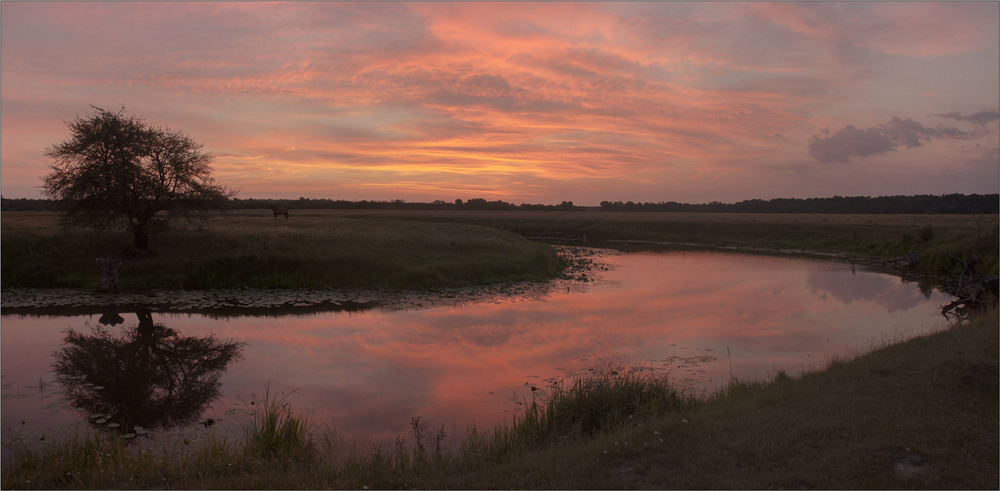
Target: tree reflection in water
<point>149,376</point>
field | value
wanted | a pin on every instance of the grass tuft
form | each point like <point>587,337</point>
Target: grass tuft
<point>602,400</point>
<point>605,398</point>
<point>274,430</point>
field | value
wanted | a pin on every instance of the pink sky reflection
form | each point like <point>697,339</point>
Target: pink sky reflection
<point>686,314</point>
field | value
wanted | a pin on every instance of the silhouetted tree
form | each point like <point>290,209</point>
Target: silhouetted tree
<point>151,376</point>
<point>118,172</point>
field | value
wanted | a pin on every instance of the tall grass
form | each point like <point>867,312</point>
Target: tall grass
<point>605,398</point>
<point>274,430</point>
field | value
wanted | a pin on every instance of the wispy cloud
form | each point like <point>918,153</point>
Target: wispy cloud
<point>657,98</point>
<point>980,118</point>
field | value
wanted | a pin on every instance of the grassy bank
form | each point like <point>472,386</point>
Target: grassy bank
<point>920,414</point>
<point>941,240</point>
<point>421,249</point>
<point>311,250</point>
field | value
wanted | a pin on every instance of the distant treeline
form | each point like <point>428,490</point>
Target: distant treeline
<point>478,204</point>
<point>920,204</point>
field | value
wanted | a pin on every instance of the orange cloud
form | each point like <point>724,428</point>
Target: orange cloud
<point>648,97</point>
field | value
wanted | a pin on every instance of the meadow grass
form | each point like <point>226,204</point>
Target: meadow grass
<point>312,250</point>
<point>942,241</point>
<point>431,249</point>
<point>918,414</point>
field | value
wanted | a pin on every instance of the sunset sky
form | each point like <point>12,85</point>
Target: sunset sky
<point>524,102</point>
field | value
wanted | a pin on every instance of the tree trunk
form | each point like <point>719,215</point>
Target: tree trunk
<point>140,229</point>
<point>141,239</point>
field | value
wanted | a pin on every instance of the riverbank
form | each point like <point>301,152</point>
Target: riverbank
<point>580,264</point>
<point>441,249</point>
<point>328,260</point>
<point>921,414</point>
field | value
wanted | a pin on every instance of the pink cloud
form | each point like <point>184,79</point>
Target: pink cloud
<point>467,96</point>
<point>919,29</point>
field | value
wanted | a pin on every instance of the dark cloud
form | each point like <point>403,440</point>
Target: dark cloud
<point>850,142</point>
<point>980,118</point>
<point>904,132</point>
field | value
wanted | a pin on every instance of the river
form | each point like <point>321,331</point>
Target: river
<point>700,318</point>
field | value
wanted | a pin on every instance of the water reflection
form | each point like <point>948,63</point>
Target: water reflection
<point>148,376</point>
<point>700,317</point>
<point>889,292</point>
<point>111,316</point>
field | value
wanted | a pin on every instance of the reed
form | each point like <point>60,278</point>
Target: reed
<point>275,431</point>
<point>604,398</point>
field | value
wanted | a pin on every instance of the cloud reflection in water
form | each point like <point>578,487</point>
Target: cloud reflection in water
<point>689,313</point>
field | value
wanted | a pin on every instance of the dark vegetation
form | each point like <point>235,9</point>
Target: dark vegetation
<point>118,172</point>
<point>314,249</point>
<point>430,249</point>
<point>945,245</point>
<point>919,204</point>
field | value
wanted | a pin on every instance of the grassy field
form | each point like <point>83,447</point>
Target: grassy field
<point>312,250</point>
<point>939,239</point>
<point>921,414</point>
<point>428,249</point>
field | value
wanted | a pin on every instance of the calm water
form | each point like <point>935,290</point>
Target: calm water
<point>701,317</point>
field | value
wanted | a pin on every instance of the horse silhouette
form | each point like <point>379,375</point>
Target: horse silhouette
<point>277,210</point>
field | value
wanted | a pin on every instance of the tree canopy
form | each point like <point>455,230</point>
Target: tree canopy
<point>116,171</point>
